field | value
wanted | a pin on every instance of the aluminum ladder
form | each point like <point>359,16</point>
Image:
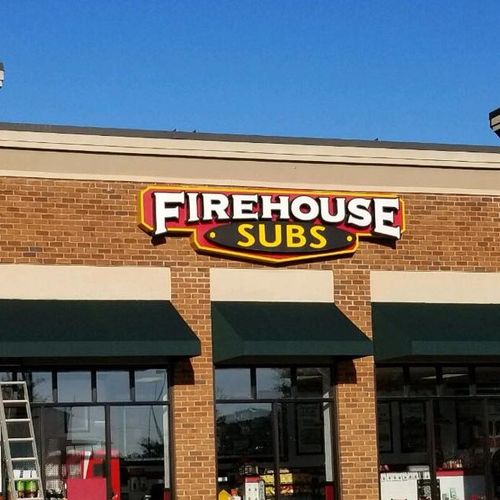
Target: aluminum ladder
<point>18,435</point>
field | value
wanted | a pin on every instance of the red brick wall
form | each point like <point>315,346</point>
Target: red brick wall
<point>94,223</point>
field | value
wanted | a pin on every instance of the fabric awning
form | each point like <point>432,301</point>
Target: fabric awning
<point>435,332</point>
<point>93,329</point>
<point>284,333</point>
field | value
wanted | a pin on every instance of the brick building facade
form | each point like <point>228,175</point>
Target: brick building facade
<point>68,200</point>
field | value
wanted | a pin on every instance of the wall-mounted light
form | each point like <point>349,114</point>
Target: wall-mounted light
<point>495,121</point>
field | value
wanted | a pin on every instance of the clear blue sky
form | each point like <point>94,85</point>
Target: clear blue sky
<point>408,70</point>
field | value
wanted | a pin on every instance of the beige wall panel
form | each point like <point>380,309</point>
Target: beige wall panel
<point>294,175</point>
<point>272,285</point>
<point>22,281</point>
<point>205,147</point>
<point>435,287</point>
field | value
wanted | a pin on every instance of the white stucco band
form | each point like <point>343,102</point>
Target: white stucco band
<point>435,287</point>
<point>22,281</point>
<point>271,285</point>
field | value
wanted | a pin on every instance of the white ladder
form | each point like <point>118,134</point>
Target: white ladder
<point>16,425</point>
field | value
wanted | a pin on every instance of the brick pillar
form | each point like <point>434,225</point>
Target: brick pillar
<point>193,451</point>
<point>357,437</point>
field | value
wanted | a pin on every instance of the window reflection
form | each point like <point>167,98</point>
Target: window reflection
<point>74,387</point>
<point>313,382</point>
<point>113,386</point>
<point>390,381</point>
<point>74,444</point>
<point>244,429</point>
<point>245,445</point>
<point>274,382</point>
<point>40,386</point>
<point>423,380</point>
<point>137,438</point>
<point>455,381</point>
<point>151,385</point>
<point>233,383</point>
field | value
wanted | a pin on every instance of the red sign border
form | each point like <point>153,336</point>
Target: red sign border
<point>257,190</point>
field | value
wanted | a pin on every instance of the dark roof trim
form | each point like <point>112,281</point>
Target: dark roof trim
<point>495,113</point>
<point>203,136</point>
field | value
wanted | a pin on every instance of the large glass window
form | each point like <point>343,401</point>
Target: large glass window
<point>113,386</point>
<point>101,434</point>
<point>40,386</point>
<point>455,380</point>
<point>151,385</point>
<point>422,381</point>
<point>274,383</point>
<point>278,444</point>
<point>439,432</point>
<point>488,380</point>
<point>74,387</point>
<point>233,383</point>
<point>390,381</point>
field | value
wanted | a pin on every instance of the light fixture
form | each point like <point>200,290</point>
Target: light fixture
<point>2,74</point>
<point>495,121</point>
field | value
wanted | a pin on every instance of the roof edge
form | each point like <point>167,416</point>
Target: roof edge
<point>264,139</point>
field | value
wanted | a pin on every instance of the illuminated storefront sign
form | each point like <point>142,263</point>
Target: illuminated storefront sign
<point>270,225</point>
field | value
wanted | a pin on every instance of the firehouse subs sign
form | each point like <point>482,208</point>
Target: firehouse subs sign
<point>270,225</point>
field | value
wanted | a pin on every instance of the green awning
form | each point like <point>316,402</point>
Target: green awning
<point>435,332</point>
<point>93,329</point>
<point>284,333</point>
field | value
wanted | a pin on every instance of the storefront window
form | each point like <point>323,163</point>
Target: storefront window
<point>422,381</point>
<point>390,381</point>
<point>286,433</point>
<point>113,386</point>
<point>439,438</point>
<point>151,385</point>
<point>74,387</point>
<point>488,380</point>
<point>274,383</point>
<point>111,448</point>
<point>40,386</point>
<point>313,382</point>
<point>233,383</point>
<point>456,381</point>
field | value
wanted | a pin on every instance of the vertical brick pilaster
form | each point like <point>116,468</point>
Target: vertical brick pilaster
<point>193,393</point>
<point>356,424</point>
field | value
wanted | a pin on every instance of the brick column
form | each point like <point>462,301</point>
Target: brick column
<point>194,452</point>
<point>357,436</point>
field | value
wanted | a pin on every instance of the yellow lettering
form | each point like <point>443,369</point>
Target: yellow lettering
<point>315,233</point>
<point>244,229</point>
<point>277,236</point>
<point>295,236</point>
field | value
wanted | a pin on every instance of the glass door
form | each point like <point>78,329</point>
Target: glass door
<point>138,452</point>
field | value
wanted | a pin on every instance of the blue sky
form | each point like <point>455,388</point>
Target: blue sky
<point>407,70</point>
